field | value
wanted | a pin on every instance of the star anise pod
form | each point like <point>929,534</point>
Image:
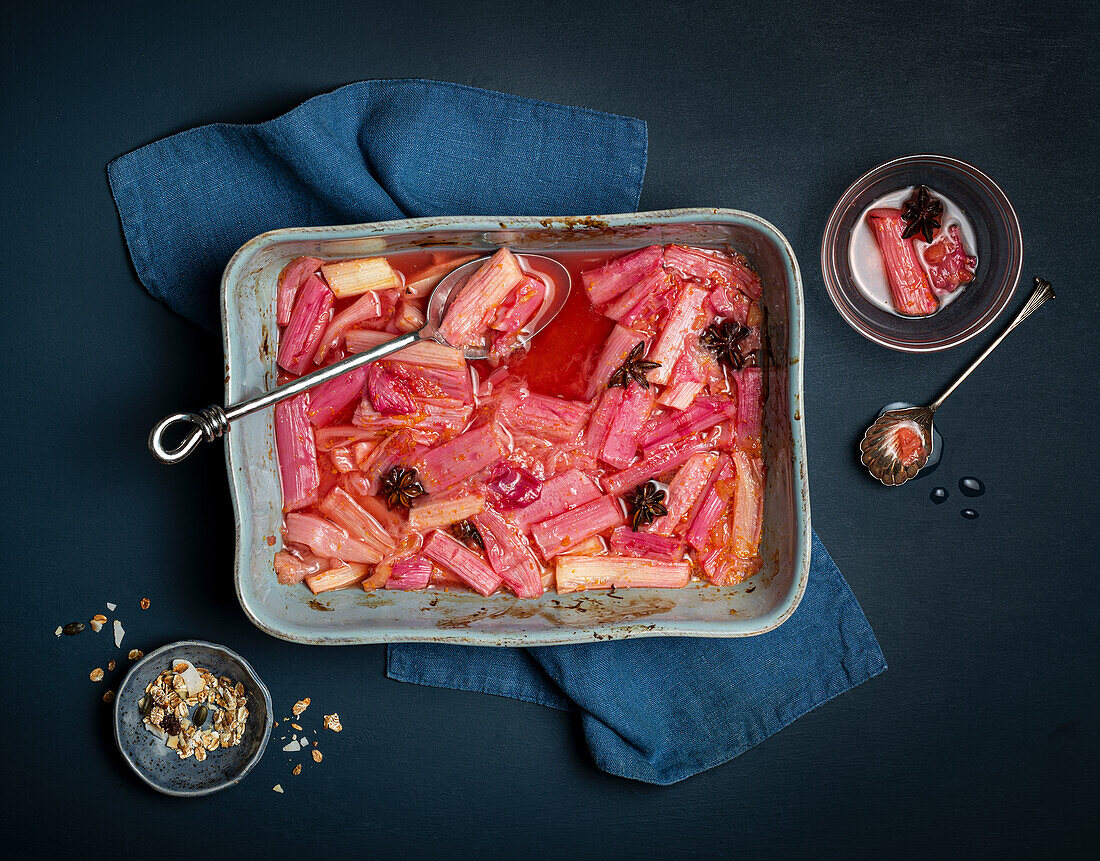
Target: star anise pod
<point>467,533</point>
<point>724,340</point>
<point>634,368</point>
<point>922,214</point>
<point>401,486</point>
<point>646,503</point>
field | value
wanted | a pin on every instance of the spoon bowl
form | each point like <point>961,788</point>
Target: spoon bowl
<point>549,271</point>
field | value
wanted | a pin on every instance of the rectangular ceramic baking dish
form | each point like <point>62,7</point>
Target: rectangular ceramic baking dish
<point>353,616</point>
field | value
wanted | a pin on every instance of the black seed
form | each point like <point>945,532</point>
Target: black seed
<point>939,495</point>
<point>72,629</point>
<point>970,514</point>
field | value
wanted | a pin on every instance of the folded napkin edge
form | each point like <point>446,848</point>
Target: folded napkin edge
<point>497,94</point>
<point>669,776</point>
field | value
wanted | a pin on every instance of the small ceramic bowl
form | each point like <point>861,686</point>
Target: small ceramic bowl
<point>1000,251</point>
<point>156,763</point>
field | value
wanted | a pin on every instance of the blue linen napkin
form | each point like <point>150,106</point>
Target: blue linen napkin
<point>656,710</point>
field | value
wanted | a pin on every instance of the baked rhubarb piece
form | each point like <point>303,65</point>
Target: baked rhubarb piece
<point>949,266</point>
<point>620,448</point>
<point>909,288</point>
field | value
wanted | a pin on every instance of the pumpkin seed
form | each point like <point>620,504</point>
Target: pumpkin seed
<point>146,704</point>
<point>72,629</point>
<point>201,714</point>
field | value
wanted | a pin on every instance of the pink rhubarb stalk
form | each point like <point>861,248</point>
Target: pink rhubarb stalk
<point>949,266</point>
<point>575,573</point>
<point>437,513</point>
<point>682,323</point>
<point>367,307</point>
<point>561,493</point>
<point>421,283</point>
<point>339,577</point>
<point>543,416</point>
<point>509,554</point>
<point>520,306</point>
<point>748,505</point>
<point>430,354</point>
<point>290,569</point>
<point>560,534</point>
<point>312,312</point>
<point>461,458</point>
<point>713,504</point>
<point>343,510</point>
<point>388,395</point>
<point>750,404</point>
<point>448,553</point>
<point>602,417</point>
<point>297,452</point>
<point>477,301</point>
<point>626,542</point>
<point>687,486</point>
<point>330,399</point>
<point>410,574</point>
<point>291,278</point>
<point>705,413</point>
<point>621,444</point>
<point>909,286</point>
<point>327,539</point>
<point>657,460</point>
<point>616,276</point>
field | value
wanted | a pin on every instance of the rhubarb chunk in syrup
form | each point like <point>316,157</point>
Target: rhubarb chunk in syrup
<point>616,449</point>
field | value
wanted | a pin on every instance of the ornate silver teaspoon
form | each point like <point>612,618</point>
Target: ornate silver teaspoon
<point>897,444</point>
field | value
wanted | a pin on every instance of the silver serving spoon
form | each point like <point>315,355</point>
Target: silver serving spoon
<point>881,446</point>
<point>214,421</point>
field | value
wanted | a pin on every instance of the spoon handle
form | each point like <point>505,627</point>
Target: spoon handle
<point>214,421</point>
<point>1043,291</point>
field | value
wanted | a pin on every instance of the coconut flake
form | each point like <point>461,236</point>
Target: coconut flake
<point>111,606</point>
<point>57,633</point>
<point>119,633</point>
<point>278,788</point>
<point>292,747</point>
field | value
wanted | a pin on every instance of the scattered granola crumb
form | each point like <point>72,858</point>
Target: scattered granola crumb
<point>135,654</point>
<point>108,696</point>
<point>119,633</point>
<point>278,788</point>
<point>332,722</point>
<point>110,664</point>
<point>57,633</point>
<point>96,675</point>
<point>296,727</point>
<point>271,541</point>
<point>292,746</point>
<point>111,606</point>
<point>144,603</point>
<point>297,769</point>
<point>300,706</point>
<point>316,755</point>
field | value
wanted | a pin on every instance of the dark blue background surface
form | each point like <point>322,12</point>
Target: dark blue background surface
<point>980,737</point>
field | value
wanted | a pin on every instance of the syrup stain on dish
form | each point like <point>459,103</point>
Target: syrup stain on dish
<point>931,275</point>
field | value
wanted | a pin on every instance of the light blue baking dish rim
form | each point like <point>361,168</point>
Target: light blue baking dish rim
<point>368,630</point>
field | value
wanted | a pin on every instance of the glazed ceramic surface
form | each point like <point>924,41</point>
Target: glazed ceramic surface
<point>353,616</point>
<point>156,763</point>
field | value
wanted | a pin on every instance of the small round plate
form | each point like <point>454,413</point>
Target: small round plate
<point>156,763</point>
<point>1000,251</point>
